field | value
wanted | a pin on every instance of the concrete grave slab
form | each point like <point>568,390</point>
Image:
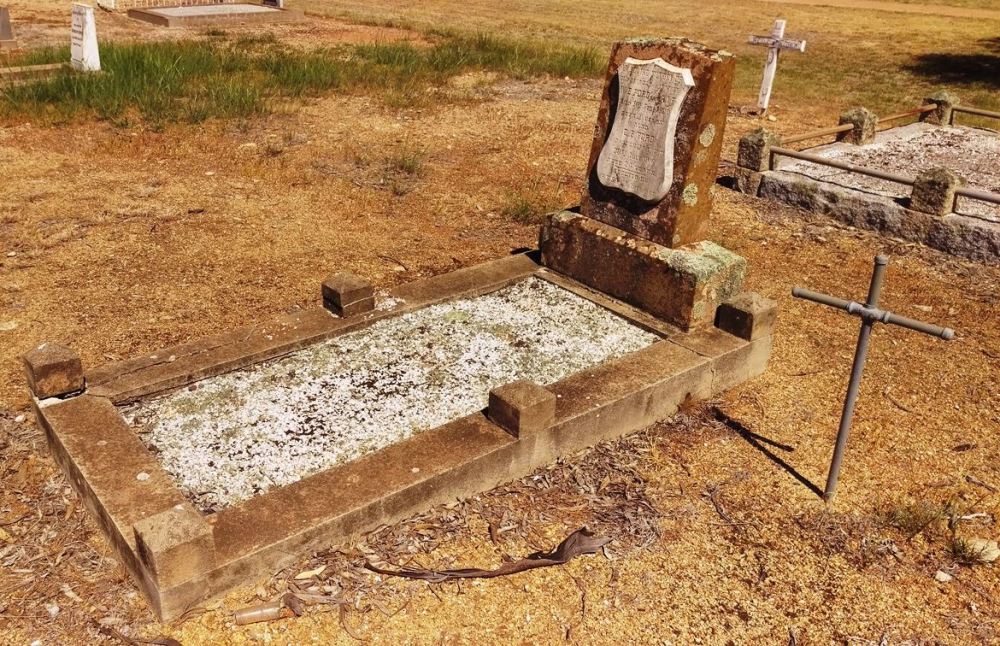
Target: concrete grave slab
<point>626,371</point>
<point>212,14</point>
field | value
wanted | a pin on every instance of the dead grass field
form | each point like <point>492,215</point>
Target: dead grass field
<point>119,241</point>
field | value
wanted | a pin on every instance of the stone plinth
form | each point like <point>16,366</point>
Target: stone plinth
<point>7,40</point>
<point>934,191</point>
<point>944,103</point>
<point>53,370</point>
<point>680,216</point>
<point>864,122</point>
<point>346,294</point>
<point>682,286</point>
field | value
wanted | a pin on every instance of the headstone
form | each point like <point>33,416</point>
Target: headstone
<point>639,234</point>
<point>774,43</point>
<point>7,40</point>
<point>659,131</point>
<point>85,56</point>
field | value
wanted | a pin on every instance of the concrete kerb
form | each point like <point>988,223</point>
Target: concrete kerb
<point>181,558</point>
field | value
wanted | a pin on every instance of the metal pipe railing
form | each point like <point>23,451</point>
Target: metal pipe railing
<point>916,112</point>
<point>979,112</point>
<point>823,161</point>
<point>822,132</point>
<point>977,194</point>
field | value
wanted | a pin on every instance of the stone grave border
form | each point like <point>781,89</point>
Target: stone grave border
<point>154,15</point>
<point>927,216</point>
<point>180,557</point>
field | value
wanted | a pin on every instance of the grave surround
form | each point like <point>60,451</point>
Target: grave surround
<point>202,15</point>
<point>709,337</point>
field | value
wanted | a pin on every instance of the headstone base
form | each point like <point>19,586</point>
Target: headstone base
<point>681,286</point>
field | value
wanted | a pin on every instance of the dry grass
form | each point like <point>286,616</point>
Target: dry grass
<point>854,57</point>
<point>125,241</point>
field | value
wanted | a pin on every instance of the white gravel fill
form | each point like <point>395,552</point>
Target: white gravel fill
<point>231,437</point>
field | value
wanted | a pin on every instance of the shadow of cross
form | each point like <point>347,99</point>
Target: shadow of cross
<point>774,43</point>
<point>869,313</point>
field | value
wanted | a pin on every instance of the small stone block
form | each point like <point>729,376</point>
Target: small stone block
<point>522,407</point>
<point>934,191</point>
<point>864,122</point>
<point>748,181</point>
<point>749,316</point>
<point>53,370</point>
<point>755,150</point>
<point>944,103</point>
<point>347,294</point>
<point>175,545</point>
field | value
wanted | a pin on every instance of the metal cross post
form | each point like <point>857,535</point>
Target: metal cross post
<point>869,313</point>
<point>774,43</point>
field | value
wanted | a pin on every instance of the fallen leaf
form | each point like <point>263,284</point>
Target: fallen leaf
<point>308,574</point>
<point>986,551</point>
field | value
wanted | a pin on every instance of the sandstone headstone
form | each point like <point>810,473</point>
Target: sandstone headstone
<point>7,40</point>
<point>85,56</point>
<point>656,147</point>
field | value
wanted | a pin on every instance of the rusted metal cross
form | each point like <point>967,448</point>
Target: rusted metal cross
<point>870,314</point>
<point>774,43</point>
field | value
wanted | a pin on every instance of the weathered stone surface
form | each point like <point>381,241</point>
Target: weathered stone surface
<point>944,102</point>
<point>175,545</point>
<point>748,316</point>
<point>53,370</point>
<point>347,294</point>
<point>864,122</point>
<point>755,150</point>
<point>7,40</point>
<point>961,235</point>
<point>522,407</point>
<point>681,216</point>
<point>934,191</point>
<point>638,157</point>
<point>747,181</point>
<point>681,286</point>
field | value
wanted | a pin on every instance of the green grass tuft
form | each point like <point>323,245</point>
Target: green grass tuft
<point>217,77</point>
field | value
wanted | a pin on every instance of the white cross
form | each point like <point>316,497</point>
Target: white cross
<point>775,43</point>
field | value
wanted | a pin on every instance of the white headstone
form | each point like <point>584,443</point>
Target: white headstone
<point>774,43</point>
<point>83,40</point>
<point>638,156</point>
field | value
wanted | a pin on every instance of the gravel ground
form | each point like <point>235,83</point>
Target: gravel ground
<point>231,437</point>
<point>973,153</point>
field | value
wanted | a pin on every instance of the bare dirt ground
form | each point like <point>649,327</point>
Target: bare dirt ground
<point>119,242</point>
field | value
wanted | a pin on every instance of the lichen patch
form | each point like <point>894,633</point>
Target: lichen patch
<point>231,437</point>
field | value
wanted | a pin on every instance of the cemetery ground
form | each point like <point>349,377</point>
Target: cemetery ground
<point>130,233</point>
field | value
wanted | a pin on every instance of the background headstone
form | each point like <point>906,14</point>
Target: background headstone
<point>7,40</point>
<point>679,215</point>
<point>85,56</point>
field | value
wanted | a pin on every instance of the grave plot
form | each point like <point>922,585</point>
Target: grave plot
<point>931,181</point>
<point>221,460</point>
<point>195,15</point>
<point>230,437</point>
<point>972,153</point>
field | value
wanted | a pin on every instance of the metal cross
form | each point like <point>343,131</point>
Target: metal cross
<point>774,43</point>
<point>869,313</point>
